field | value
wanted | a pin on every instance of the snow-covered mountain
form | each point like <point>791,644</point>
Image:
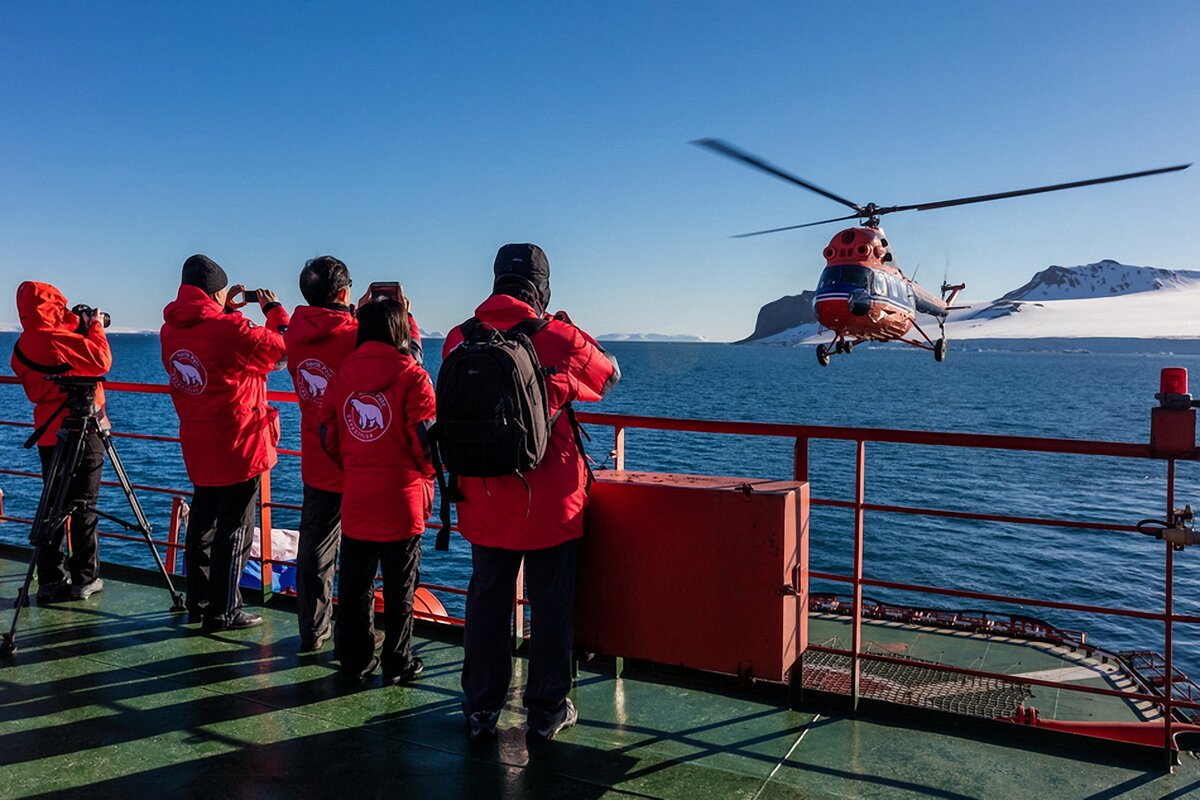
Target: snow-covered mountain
<point>1102,300</point>
<point>1102,279</point>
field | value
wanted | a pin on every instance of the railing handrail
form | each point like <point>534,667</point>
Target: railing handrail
<point>993,441</point>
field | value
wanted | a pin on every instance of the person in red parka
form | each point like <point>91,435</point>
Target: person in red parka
<point>319,336</point>
<point>218,361</point>
<point>55,341</point>
<point>536,518</point>
<point>374,422</point>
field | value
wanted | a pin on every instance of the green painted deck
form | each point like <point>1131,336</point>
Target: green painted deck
<point>114,697</point>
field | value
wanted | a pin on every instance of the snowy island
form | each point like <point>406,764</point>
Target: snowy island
<point>1102,300</point>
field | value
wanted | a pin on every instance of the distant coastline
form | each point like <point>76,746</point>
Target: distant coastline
<point>1081,345</point>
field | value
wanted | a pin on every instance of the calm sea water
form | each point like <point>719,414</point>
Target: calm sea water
<point>1091,395</point>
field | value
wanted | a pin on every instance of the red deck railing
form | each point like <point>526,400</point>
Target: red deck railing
<point>801,437</point>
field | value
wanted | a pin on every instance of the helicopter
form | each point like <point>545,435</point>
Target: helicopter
<point>862,295</point>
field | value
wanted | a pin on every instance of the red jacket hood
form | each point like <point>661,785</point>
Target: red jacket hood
<point>502,311</point>
<point>42,306</point>
<point>312,323</point>
<point>374,366</point>
<point>191,307</point>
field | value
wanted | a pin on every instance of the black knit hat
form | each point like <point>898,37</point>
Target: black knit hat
<point>527,263</point>
<point>204,273</point>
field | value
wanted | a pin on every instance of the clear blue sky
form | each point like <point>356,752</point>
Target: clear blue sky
<point>413,139</point>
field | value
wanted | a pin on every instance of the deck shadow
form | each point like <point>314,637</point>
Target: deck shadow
<point>329,764</point>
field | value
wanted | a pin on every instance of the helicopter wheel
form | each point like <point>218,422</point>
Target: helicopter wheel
<point>823,355</point>
<point>939,349</point>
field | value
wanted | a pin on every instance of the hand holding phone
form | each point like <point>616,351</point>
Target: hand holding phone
<point>233,299</point>
<point>264,298</point>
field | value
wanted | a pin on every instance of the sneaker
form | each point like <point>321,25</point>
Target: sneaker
<point>547,730</point>
<point>351,676</point>
<point>85,590</point>
<point>241,619</point>
<point>410,673</point>
<point>482,724</point>
<point>308,645</point>
<point>56,590</point>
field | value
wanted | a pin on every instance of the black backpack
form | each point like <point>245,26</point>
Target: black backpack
<point>492,412</point>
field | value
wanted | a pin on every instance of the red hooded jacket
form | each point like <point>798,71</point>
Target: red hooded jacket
<point>49,338</point>
<point>318,340</point>
<point>369,418</point>
<point>503,512</point>
<point>218,364</point>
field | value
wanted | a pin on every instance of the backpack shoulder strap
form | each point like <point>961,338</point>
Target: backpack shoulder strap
<point>529,327</point>
<point>55,369</point>
<point>579,432</point>
<point>471,328</point>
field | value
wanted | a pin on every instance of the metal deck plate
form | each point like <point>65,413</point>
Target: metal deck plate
<point>114,697</point>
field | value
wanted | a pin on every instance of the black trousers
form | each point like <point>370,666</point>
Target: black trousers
<point>316,556</point>
<point>354,634</point>
<point>84,487</point>
<point>488,638</point>
<point>220,530</point>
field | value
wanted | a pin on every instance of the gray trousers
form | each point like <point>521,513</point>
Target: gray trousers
<point>316,556</point>
<point>217,546</point>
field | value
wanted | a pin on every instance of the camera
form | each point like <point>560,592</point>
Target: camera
<point>250,295</point>
<point>86,312</point>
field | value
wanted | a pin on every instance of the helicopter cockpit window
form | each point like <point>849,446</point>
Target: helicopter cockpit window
<point>858,277</point>
<point>830,276</point>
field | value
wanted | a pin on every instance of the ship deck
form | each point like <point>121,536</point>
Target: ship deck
<point>114,696</point>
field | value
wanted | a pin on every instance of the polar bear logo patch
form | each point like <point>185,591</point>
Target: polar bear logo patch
<point>187,372</point>
<point>312,379</point>
<point>367,415</point>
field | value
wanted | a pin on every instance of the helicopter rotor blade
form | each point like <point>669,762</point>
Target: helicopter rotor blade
<point>983,198</point>
<point>728,150</point>
<point>794,227</point>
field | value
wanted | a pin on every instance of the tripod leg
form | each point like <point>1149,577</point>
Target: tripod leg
<point>8,646</point>
<point>139,516</point>
<point>51,514</point>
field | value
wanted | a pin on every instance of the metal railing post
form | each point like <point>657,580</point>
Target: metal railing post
<point>800,459</point>
<point>177,507</point>
<point>264,538</point>
<point>619,447</point>
<point>1168,633</point>
<point>519,609</point>
<point>860,491</point>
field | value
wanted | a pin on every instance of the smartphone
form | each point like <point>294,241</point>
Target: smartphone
<point>389,289</point>
<point>250,295</point>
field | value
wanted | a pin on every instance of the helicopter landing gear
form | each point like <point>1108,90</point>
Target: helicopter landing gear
<point>823,355</point>
<point>939,349</point>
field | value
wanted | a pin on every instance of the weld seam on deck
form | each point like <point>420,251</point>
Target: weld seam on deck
<point>786,757</point>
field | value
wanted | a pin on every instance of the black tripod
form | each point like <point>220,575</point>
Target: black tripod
<point>82,421</point>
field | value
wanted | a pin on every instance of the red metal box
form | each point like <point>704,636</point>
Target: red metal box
<point>1173,431</point>
<point>703,572</point>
